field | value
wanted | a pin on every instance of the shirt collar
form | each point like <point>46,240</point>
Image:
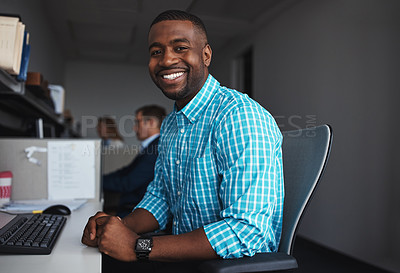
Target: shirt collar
<point>148,140</point>
<point>196,106</point>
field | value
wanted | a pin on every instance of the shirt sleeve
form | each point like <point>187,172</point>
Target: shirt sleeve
<point>154,199</point>
<point>249,159</point>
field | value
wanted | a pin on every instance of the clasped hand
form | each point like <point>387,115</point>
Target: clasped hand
<point>111,236</point>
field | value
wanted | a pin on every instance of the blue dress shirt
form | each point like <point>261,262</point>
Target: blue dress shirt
<point>220,168</point>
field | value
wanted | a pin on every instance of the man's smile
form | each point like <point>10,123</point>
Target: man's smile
<point>168,77</point>
<point>172,76</point>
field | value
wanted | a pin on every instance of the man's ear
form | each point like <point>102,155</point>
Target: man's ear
<point>207,54</point>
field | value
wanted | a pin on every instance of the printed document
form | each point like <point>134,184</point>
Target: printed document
<point>71,169</point>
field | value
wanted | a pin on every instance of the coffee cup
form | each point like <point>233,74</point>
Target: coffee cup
<point>5,186</point>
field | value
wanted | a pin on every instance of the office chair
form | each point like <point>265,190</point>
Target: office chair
<point>305,154</point>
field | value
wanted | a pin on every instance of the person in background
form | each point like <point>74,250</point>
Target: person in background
<point>131,181</point>
<point>70,129</point>
<point>108,131</point>
<point>218,175</point>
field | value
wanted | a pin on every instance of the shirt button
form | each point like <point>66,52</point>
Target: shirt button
<point>182,130</point>
<point>178,162</point>
<point>179,193</point>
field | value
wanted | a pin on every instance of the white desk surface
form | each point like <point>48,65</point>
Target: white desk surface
<point>68,255</point>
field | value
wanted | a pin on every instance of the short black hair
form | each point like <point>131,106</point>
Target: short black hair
<point>155,111</point>
<point>180,15</point>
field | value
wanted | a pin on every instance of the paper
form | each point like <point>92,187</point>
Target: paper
<point>71,170</point>
<point>42,204</point>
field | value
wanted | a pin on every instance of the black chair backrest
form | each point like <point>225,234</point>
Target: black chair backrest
<point>305,153</point>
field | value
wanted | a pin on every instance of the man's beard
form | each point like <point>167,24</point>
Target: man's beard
<point>188,89</point>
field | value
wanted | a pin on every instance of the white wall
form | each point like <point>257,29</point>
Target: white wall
<point>338,62</point>
<point>96,89</point>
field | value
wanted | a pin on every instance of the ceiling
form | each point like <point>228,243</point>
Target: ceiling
<point>116,31</point>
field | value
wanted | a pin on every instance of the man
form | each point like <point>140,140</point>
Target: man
<point>132,180</point>
<point>218,175</point>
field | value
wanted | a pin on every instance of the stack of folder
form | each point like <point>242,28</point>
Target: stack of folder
<point>14,46</point>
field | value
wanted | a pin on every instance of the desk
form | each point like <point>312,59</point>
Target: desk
<point>69,255</point>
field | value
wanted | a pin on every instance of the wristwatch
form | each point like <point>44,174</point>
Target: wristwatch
<point>143,248</point>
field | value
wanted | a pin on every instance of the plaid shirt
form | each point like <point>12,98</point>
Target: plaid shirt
<point>220,168</point>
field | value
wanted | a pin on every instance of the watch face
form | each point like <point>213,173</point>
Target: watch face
<point>143,244</point>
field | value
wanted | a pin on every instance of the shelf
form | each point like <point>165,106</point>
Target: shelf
<point>7,82</point>
<point>20,108</point>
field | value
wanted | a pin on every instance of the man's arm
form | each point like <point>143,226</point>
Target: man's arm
<point>248,151</point>
<point>189,246</point>
<point>139,221</point>
<point>193,245</point>
<point>118,241</point>
<point>117,238</point>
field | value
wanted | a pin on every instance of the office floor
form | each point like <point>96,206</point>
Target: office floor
<point>315,258</point>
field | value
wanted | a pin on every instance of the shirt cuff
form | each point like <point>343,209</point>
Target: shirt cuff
<point>223,240</point>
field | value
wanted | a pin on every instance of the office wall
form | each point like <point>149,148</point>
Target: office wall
<point>46,56</point>
<point>96,89</point>
<point>317,61</point>
<point>337,62</point>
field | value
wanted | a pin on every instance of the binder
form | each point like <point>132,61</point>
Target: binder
<point>26,51</point>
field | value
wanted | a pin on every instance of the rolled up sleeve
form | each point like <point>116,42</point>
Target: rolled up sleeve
<point>251,191</point>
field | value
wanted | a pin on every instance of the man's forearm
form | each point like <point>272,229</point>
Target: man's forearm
<point>189,246</point>
<point>141,221</point>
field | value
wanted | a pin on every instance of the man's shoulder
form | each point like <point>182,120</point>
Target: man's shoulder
<point>233,100</point>
<point>152,147</point>
<point>226,97</point>
<point>155,140</point>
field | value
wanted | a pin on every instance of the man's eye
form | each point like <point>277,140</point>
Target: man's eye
<point>155,52</point>
<point>181,48</point>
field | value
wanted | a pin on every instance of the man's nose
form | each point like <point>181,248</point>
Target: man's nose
<point>168,58</point>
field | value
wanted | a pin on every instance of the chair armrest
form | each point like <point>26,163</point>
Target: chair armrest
<point>261,262</point>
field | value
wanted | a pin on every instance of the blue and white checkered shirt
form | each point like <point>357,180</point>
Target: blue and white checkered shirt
<point>220,168</point>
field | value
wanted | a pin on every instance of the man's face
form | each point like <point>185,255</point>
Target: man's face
<point>179,59</point>
<point>141,127</point>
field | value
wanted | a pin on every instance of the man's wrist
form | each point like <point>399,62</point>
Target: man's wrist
<point>143,247</point>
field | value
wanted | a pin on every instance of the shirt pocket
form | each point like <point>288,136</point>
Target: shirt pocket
<point>203,184</point>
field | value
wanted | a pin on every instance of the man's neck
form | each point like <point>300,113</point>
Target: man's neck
<point>180,104</point>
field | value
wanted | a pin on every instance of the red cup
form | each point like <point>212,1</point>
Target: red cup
<point>5,186</point>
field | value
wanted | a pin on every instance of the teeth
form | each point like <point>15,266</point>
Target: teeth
<point>173,76</point>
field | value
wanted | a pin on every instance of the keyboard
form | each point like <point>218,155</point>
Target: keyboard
<point>31,233</point>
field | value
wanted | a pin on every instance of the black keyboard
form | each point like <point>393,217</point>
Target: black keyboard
<point>31,234</point>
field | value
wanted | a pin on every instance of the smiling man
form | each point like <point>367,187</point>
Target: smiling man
<point>179,59</point>
<point>218,177</point>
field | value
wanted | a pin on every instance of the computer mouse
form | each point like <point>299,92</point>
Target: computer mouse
<point>58,210</point>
